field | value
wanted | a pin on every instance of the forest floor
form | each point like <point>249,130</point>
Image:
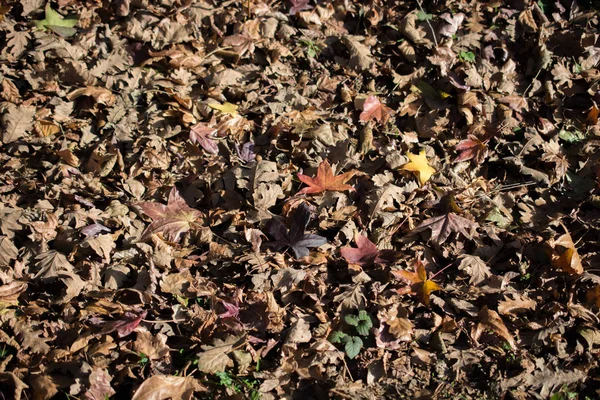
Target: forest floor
<point>299,199</point>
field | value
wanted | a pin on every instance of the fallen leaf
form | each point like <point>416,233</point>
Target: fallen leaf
<point>490,320</point>
<point>216,358</point>
<point>172,219</point>
<point>325,180</point>
<point>202,134</point>
<point>299,5</point>
<point>367,253</point>
<point>17,122</point>
<point>360,55</point>
<point>476,268</point>
<point>472,149</point>
<point>442,226</point>
<point>294,238</point>
<point>99,94</point>
<point>564,254</point>
<point>225,108</point>
<point>419,164</point>
<point>419,284</point>
<point>374,109</point>
<point>163,387</point>
<point>57,23</point>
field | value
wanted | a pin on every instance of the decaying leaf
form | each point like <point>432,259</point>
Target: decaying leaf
<point>420,285</point>
<point>418,163</point>
<point>325,180</point>
<point>490,320</point>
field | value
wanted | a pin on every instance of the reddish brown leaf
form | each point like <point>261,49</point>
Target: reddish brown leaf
<point>442,226</point>
<point>325,180</point>
<point>472,149</point>
<point>172,219</point>
<point>374,109</point>
<point>367,253</point>
<point>202,135</point>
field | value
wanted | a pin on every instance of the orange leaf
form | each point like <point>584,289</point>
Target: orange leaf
<point>373,109</point>
<point>568,259</point>
<point>419,284</point>
<point>325,180</point>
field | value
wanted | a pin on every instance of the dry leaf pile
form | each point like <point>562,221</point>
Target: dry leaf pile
<point>247,199</point>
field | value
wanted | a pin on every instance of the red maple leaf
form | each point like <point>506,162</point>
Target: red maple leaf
<point>325,180</point>
<point>172,219</point>
<point>374,109</point>
<point>367,253</point>
<point>472,148</point>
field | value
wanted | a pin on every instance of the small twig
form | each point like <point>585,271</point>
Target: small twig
<point>428,23</point>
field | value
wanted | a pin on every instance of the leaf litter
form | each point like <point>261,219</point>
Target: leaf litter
<point>273,200</point>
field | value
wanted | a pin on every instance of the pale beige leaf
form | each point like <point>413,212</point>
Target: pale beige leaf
<point>17,123</point>
<point>8,251</point>
<point>163,387</point>
<point>476,268</point>
<point>360,55</point>
<point>490,320</point>
<point>215,358</point>
<point>514,306</point>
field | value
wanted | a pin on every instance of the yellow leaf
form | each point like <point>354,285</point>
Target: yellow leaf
<point>226,108</point>
<point>418,163</point>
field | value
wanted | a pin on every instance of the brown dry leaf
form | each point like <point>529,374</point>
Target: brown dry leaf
<point>360,55</point>
<point>8,251</point>
<point>216,358</point>
<point>472,149</point>
<point>476,268</point>
<point>46,128</point>
<point>163,387</point>
<point>100,388</point>
<point>517,305</point>
<point>564,254</point>
<point>99,94</point>
<point>17,122</point>
<point>527,21</point>
<point>490,320</point>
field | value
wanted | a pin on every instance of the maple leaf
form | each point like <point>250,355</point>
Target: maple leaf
<point>418,163</point>
<point>367,253</point>
<point>299,5</point>
<point>442,226</point>
<point>202,135</point>
<point>172,219</point>
<point>472,148</point>
<point>325,180</point>
<point>374,109</point>
<point>419,284</point>
<point>294,238</point>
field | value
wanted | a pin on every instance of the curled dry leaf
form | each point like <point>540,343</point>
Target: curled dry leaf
<point>564,254</point>
<point>99,94</point>
<point>490,320</point>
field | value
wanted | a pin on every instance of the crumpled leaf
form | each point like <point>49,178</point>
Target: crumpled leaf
<point>419,164</point>
<point>443,225</point>
<point>564,254</point>
<point>374,109</point>
<point>367,253</point>
<point>295,238</point>
<point>163,387</point>
<point>172,219</point>
<point>419,284</point>
<point>325,180</point>
<point>489,319</point>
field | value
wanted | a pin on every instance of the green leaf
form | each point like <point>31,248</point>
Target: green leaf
<point>364,316</point>
<point>353,347</point>
<point>351,320</point>
<point>467,56</point>
<point>337,337</point>
<point>423,16</point>
<point>55,22</point>
<point>364,327</point>
<point>571,137</point>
